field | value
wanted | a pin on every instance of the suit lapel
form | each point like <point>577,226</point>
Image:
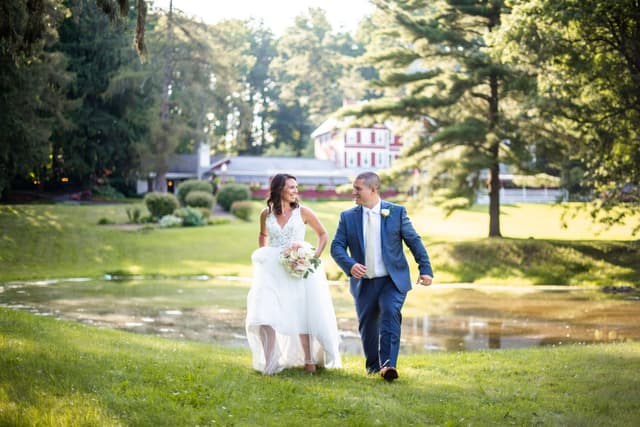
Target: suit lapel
<point>383,223</point>
<point>358,226</point>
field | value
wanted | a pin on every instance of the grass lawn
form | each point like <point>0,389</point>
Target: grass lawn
<point>49,241</point>
<point>59,373</point>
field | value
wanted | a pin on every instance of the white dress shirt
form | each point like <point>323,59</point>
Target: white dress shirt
<point>380,270</point>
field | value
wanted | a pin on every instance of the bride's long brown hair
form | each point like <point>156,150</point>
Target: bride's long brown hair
<point>274,202</point>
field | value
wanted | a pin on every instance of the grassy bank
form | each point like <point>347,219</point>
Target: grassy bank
<point>58,373</point>
<point>49,241</point>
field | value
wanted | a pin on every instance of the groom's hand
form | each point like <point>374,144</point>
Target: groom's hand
<point>358,270</point>
<point>425,280</point>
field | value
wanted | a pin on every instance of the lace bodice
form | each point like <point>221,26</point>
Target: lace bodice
<point>293,230</point>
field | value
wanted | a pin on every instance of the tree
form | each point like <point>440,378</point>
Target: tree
<point>101,139</point>
<point>307,71</point>
<point>32,85</point>
<point>586,57</point>
<point>438,69</point>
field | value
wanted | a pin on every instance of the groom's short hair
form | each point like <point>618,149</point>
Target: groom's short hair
<point>371,179</point>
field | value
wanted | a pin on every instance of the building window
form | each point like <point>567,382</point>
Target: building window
<point>373,158</point>
<point>358,162</point>
<point>373,136</point>
<point>358,137</point>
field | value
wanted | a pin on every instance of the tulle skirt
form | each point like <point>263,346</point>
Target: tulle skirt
<point>291,307</point>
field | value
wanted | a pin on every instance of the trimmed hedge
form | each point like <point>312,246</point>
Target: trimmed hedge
<point>160,204</point>
<point>200,199</point>
<point>232,193</point>
<point>190,185</point>
<point>242,209</point>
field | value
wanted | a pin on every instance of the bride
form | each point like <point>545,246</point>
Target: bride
<point>290,319</point>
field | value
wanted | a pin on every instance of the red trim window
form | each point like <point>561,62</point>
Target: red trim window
<point>373,136</point>
<point>358,158</point>
<point>373,157</point>
<point>358,140</point>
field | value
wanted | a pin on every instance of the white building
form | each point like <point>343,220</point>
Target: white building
<point>348,147</point>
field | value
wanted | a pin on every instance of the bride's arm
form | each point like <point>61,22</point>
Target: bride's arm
<point>312,220</point>
<point>262,237</point>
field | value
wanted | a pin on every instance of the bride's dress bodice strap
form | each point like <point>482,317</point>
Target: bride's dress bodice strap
<point>292,231</point>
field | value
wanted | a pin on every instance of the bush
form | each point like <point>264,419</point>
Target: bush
<point>200,199</point>
<point>160,204</point>
<point>242,209</point>
<point>191,217</point>
<point>232,193</point>
<point>192,185</point>
<point>134,215</point>
<point>219,221</point>
<point>169,221</point>
<point>344,189</point>
<point>105,221</point>
<point>106,192</point>
<point>206,213</point>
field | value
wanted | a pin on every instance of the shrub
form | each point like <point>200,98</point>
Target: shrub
<point>344,189</point>
<point>192,185</point>
<point>219,221</point>
<point>169,221</point>
<point>105,221</point>
<point>160,204</point>
<point>242,209</point>
<point>106,192</point>
<point>206,213</point>
<point>191,217</point>
<point>134,215</point>
<point>200,199</point>
<point>232,193</point>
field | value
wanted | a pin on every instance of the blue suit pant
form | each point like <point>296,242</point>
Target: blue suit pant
<point>378,306</point>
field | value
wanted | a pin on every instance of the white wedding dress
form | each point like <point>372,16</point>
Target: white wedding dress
<point>291,306</point>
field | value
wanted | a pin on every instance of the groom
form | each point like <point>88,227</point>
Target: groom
<point>373,233</point>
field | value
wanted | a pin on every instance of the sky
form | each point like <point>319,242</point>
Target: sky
<point>276,14</point>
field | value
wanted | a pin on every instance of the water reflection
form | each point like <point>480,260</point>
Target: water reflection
<point>436,319</point>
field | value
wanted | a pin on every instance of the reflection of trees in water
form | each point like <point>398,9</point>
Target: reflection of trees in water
<point>464,321</point>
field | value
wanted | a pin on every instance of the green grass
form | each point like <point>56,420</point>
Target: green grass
<point>49,241</point>
<point>59,373</point>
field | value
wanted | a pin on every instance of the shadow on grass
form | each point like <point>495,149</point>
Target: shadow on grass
<point>557,262</point>
<point>60,373</point>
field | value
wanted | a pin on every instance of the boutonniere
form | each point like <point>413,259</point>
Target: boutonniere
<point>385,212</point>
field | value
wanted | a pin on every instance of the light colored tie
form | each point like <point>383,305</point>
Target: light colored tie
<point>370,247</point>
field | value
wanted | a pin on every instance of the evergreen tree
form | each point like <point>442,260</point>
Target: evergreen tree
<point>438,69</point>
<point>32,86</point>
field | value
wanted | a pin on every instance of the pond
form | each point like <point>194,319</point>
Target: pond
<point>438,318</point>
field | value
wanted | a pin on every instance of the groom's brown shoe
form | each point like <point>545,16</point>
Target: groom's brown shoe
<point>389,373</point>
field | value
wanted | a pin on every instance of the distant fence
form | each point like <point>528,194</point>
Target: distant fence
<point>525,195</point>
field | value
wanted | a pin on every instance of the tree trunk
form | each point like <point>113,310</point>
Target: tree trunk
<point>160,182</point>
<point>494,199</point>
<point>494,171</point>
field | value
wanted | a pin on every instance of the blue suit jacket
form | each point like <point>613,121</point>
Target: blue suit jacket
<point>347,247</point>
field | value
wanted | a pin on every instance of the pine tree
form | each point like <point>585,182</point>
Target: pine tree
<point>437,68</point>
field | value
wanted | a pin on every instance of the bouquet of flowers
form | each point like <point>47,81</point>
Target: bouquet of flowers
<point>299,259</point>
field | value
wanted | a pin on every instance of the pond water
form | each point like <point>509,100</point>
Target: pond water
<point>438,318</point>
